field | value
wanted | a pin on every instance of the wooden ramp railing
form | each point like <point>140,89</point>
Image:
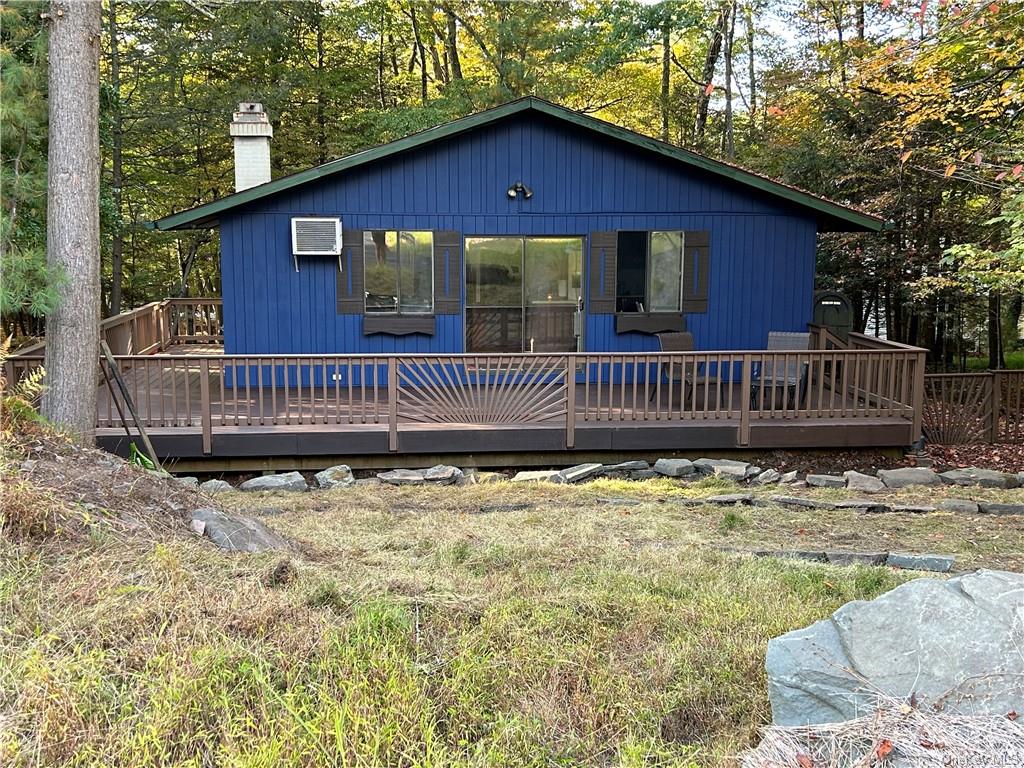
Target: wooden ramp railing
<point>156,326</point>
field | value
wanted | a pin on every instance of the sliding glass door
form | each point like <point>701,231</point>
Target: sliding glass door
<point>523,294</point>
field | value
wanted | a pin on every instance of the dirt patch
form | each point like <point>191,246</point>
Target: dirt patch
<point>83,485</point>
<point>1002,456</point>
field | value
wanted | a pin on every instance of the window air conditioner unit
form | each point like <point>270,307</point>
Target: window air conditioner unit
<point>316,236</point>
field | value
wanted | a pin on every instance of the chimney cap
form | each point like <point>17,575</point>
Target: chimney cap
<point>251,120</point>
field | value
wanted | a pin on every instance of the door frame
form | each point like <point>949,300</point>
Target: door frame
<point>584,280</point>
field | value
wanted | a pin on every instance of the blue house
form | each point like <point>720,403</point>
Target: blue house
<point>524,280</point>
<point>524,228</point>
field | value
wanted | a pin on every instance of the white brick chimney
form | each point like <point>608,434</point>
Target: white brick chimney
<point>252,132</point>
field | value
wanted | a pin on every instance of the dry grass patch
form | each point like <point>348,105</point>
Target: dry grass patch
<point>412,629</point>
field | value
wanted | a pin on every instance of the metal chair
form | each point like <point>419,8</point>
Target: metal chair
<point>675,342</point>
<point>789,375</point>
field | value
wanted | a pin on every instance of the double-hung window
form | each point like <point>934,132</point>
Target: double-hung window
<point>398,272</point>
<point>649,272</point>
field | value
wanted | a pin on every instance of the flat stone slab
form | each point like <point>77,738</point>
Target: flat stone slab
<point>439,474</point>
<point>826,481</point>
<point>493,508</point>
<point>442,474</point>
<point>731,498</point>
<point>986,478</point>
<point>535,476</point>
<point>235,533</point>
<point>338,476</point>
<point>810,555</point>
<point>952,643</point>
<point>996,508</point>
<point>730,468</point>
<point>619,502</point>
<point>864,505</point>
<point>907,476</point>
<point>856,558</point>
<point>683,501</point>
<point>858,481</point>
<point>960,506</point>
<point>625,467</point>
<point>913,562</point>
<point>914,509</point>
<point>644,474</point>
<point>799,501</point>
<point>216,486</point>
<point>789,477</point>
<point>674,467</point>
<point>402,477</point>
<point>577,473</point>
<point>289,481</point>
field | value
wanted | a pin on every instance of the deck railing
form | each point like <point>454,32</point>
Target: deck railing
<point>562,391</point>
<point>156,326</point>
<point>985,407</point>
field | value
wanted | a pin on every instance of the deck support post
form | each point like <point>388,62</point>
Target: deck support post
<point>392,404</point>
<point>997,405</point>
<point>206,415</point>
<point>570,402</point>
<point>744,436</point>
<point>917,429</point>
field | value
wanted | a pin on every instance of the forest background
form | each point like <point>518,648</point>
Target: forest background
<point>912,111</point>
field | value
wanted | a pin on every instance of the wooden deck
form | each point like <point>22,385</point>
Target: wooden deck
<point>206,409</point>
<point>198,403</point>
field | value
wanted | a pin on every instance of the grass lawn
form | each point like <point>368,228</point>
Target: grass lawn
<point>415,630</point>
<point>1014,359</point>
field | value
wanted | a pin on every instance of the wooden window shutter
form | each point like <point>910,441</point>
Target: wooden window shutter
<point>603,246</point>
<point>447,272</point>
<point>351,299</point>
<point>696,271</point>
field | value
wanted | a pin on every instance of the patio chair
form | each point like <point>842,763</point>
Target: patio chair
<point>675,342</point>
<point>790,375</point>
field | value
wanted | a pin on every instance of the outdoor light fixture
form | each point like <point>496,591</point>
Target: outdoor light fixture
<point>519,189</point>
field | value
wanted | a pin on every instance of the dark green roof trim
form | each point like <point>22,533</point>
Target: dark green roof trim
<point>833,213</point>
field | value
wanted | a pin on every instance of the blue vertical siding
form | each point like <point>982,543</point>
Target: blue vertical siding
<point>762,250</point>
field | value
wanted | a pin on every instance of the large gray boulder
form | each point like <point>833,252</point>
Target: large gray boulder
<point>907,476</point>
<point>953,644</point>
<point>338,476</point>
<point>235,533</point>
<point>289,481</point>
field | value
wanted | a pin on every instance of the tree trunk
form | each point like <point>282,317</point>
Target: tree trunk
<point>666,60</point>
<point>859,4</point>
<point>751,73</point>
<point>728,145</point>
<point>321,96</point>
<point>421,53</point>
<point>995,336</point>
<point>73,216</point>
<point>452,44</point>
<point>116,162</point>
<point>707,76</point>
<point>380,67</point>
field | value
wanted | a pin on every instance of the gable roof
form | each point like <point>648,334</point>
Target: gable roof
<point>831,216</point>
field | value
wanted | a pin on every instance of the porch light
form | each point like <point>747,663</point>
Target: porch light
<point>519,189</point>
